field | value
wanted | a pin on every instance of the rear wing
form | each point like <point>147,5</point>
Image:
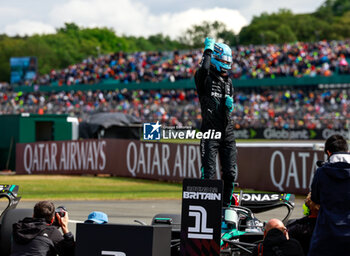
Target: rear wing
<point>10,192</point>
<point>261,202</point>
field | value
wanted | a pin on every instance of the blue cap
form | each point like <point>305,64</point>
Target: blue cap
<point>97,217</point>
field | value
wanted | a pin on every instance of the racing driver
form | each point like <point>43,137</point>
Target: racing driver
<point>215,93</point>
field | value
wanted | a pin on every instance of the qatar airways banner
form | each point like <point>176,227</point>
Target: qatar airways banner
<point>260,166</point>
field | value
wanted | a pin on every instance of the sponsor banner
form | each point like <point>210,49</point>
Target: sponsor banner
<point>278,168</point>
<point>275,168</point>
<point>130,158</point>
<point>85,156</point>
<point>259,197</point>
<point>289,134</point>
<point>201,217</point>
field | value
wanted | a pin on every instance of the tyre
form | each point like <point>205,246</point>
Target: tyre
<point>8,219</point>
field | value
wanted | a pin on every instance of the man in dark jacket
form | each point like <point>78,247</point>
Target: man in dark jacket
<point>38,237</point>
<point>331,189</point>
<point>215,93</point>
<point>277,242</point>
<point>303,228</point>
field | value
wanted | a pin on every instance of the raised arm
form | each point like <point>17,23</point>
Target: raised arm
<point>203,70</point>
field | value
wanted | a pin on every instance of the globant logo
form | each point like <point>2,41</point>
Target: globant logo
<point>154,131</point>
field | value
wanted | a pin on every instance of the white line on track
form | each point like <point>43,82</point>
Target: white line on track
<point>75,221</point>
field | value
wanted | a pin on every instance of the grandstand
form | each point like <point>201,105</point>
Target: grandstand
<point>289,86</point>
<point>296,60</point>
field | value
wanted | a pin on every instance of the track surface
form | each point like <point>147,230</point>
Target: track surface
<point>126,211</point>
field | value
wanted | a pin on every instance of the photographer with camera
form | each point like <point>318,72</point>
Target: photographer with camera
<point>40,236</point>
<point>277,242</point>
<point>330,189</point>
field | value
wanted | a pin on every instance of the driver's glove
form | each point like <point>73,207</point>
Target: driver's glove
<point>209,44</point>
<point>229,103</point>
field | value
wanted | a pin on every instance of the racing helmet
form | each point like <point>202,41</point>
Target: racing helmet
<point>221,57</point>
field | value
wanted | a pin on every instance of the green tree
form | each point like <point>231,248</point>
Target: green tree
<point>269,28</point>
<point>268,37</point>
<point>195,35</point>
<point>285,34</point>
<point>330,21</point>
<point>333,7</point>
<point>341,26</point>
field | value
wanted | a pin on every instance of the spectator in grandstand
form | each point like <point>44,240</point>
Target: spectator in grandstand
<point>38,236</point>
<point>125,68</point>
<point>302,229</point>
<point>257,108</point>
<point>291,60</point>
<point>215,94</point>
<point>330,188</point>
<point>97,217</point>
<point>277,242</point>
<point>299,59</point>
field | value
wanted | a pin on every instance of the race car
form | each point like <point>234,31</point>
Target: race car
<point>243,230</point>
<point>9,215</point>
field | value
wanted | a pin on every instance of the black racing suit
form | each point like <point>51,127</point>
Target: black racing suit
<point>212,87</point>
<point>301,230</point>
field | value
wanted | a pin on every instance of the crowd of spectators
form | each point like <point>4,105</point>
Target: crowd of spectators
<point>125,68</point>
<point>288,109</point>
<point>292,109</point>
<point>298,59</point>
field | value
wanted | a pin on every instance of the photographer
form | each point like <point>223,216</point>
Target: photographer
<point>38,236</point>
<point>303,228</point>
<point>331,189</point>
<point>277,242</point>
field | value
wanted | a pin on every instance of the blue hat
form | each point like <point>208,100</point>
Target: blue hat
<point>97,217</point>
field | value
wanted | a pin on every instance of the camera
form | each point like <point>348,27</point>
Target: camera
<point>320,163</point>
<point>61,210</point>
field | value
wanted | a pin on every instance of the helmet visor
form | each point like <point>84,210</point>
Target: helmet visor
<point>224,59</point>
<point>223,64</point>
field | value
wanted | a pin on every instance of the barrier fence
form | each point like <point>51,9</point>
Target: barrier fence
<point>270,167</point>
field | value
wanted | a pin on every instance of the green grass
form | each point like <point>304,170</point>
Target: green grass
<point>64,187</point>
<point>56,187</point>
